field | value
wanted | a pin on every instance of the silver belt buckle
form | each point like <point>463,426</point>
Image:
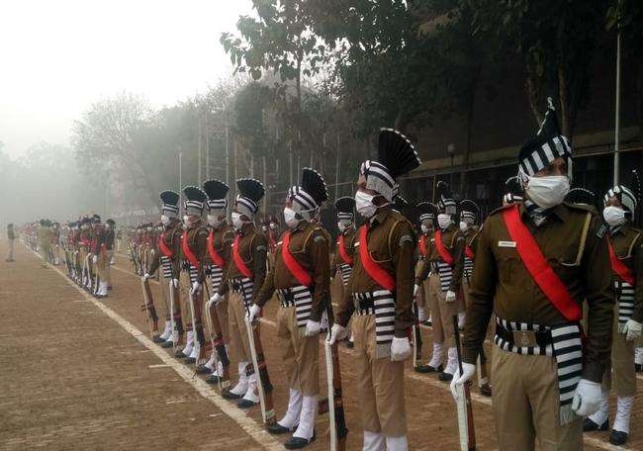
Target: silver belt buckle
<point>525,338</point>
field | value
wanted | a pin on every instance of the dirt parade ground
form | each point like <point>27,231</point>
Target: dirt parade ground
<point>79,373</point>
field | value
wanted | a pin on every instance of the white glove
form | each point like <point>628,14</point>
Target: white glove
<point>175,282</point>
<point>196,287</point>
<point>468,370</point>
<point>312,328</point>
<point>400,349</point>
<point>450,297</point>
<point>587,398</point>
<point>253,313</point>
<point>337,333</point>
<point>632,330</point>
<point>416,288</point>
<point>145,277</point>
<point>214,300</point>
<point>95,259</point>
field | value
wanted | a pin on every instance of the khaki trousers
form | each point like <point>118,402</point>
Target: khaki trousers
<point>108,267</point>
<point>165,291</point>
<point>526,404</point>
<point>10,253</point>
<point>239,344</point>
<point>300,354</point>
<point>623,376</point>
<point>101,265</point>
<point>442,313</point>
<point>380,383</point>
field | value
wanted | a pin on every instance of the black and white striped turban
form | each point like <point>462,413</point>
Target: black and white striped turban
<point>246,206</point>
<point>218,204</point>
<point>302,202</point>
<point>624,195</point>
<point>170,203</point>
<point>379,180</point>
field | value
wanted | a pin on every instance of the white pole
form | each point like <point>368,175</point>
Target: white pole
<point>617,121</point>
<point>337,168</point>
<point>227,159</point>
<point>180,184</point>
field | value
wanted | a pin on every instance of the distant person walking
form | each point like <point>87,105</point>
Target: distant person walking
<point>11,236</point>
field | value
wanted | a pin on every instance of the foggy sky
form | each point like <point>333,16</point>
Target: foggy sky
<point>58,57</point>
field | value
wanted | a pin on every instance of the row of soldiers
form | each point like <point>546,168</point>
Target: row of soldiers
<point>561,283</point>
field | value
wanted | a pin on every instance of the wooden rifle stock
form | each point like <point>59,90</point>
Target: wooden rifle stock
<point>465,411</point>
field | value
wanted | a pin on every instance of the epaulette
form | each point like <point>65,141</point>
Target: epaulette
<point>501,208</point>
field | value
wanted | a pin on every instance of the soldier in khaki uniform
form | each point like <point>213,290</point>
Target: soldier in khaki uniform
<point>168,261</point>
<point>243,278</point>
<point>301,278</point>
<point>110,224</point>
<point>342,265</point>
<point>219,241</point>
<point>428,216</point>
<point>193,253</point>
<point>535,264</point>
<point>446,265</point>
<point>11,236</point>
<point>99,256</point>
<point>380,294</point>
<point>626,256</point>
<point>469,213</point>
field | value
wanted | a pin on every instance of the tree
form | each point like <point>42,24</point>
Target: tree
<point>556,41</point>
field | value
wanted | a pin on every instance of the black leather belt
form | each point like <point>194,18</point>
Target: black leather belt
<point>286,297</point>
<point>364,303</point>
<point>525,338</point>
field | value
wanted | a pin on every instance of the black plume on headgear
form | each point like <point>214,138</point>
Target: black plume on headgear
<point>313,183</point>
<point>446,200</point>
<point>581,196</point>
<point>345,207</point>
<point>217,192</point>
<point>396,152</point>
<point>251,188</point>
<point>400,202</point>
<point>513,190</point>
<point>469,210</point>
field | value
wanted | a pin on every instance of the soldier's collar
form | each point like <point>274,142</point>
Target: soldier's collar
<point>623,229</point>
<point>303,225</point>
<point>380,216</point>
<point>559,211</point>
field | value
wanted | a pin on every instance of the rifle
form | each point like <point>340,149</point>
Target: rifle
<point>259,367</point>
<point>336,420</point>
<point>218,345</point>
<point>172,322</point>
<point>464,405</point>
<point>149,306</point>
<point>197,343</point>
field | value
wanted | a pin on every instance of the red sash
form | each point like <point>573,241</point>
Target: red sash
<point>187,252</point>
<point>236,256</point>
<point>469,252</point>
<point>214,255</point>
<point>163,247</point>
<point>341,246</point>
<point>533,259</point>
<point>422,245</point>
<point>293,265</point>
<point>439,245</point>
<point>375,271</point>
<point>622,271</point>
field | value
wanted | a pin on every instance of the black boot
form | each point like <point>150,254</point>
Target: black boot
<point>212,379</point>
<point>277,429</point>
<point>445,377</point>
<point>618,437</point>
<point>227,394</point>
<point>298,442</point>
<point>167,344</point>
<point>157,339</point>
<point>202,369</point>
<point>428,369</point>
<point>589,425</point>
<point>246,404</point>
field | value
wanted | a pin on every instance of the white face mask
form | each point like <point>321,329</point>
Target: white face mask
<point>614,216</point>
<point>549,191</point>
<point>364,204</point>
<point>165,220</point>
<point>424,228</point>
<point>341,227</point>
<point>237,223</point>
<point>464,226</point>
<point>290,217</point>
<point>214,220</point>
<point>273,226</point>
<point>186,222</point>
<point>444,220</point>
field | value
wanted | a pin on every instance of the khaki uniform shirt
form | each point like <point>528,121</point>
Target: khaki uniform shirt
<point>453,241</point>
<point>197,237</point>
<point>309,246</point>
<point>222,240</point>
<point>172,239</point>
<point>628,247</point>
<point>350,236</point>
<point>502,284</point>
<point>253,249</point>
<point>391,244</point>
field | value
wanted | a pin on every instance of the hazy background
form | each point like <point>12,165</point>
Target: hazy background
<point>60,57</point>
